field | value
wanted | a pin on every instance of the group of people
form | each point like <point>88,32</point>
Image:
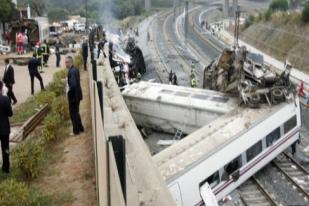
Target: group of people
<point>74,95</point>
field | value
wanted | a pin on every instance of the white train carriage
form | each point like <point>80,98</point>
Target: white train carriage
<point>170,108</point>
<point>226,152</point>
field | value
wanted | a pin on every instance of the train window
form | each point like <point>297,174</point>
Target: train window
<point>231,167</point>
<point>182,94</point>
<point>200,96</point>
<point>272,137</point>
<point>254,151</point>
<point>290,124</point>
<point>165,91</point>
<point>213,180</point>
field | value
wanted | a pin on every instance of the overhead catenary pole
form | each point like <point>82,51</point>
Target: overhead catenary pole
<point>186,20</point>
<point>86,11</point>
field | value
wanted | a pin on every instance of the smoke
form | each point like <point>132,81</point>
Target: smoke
<point>106,14</point>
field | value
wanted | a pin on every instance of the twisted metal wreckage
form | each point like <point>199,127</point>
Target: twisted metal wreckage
<point>240,72</point>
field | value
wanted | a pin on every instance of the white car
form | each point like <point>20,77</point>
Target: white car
<point>80,27</point>
<point>4,48</point>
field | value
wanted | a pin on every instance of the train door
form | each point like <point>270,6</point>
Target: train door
<point>176,193</point>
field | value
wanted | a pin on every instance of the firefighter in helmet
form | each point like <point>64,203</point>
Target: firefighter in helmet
<point>38,54</point>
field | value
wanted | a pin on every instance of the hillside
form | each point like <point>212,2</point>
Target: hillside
<point>283,36</point>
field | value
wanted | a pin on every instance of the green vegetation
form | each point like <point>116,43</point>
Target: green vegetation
<point>27,156</point>
<point>7,11</point>
<point>24,111</point>
<point>31,156</point>
<point>279,5</point>
<point>305,13</point>
<point>13,192</point>
<point>100,11</point>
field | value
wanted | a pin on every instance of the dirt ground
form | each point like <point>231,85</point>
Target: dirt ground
<point>73,171</point>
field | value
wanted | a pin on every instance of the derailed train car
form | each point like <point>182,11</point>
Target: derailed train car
<point>243,73</point>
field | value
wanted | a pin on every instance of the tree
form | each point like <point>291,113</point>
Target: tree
<point>305,13</point>
<point>281,5</point>
<point>7,12</point>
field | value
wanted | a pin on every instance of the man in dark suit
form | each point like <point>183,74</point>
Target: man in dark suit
<point>74,92</point>
<point>33,72</point>
<point>85,53</point>
<point>5,113</point>
<point>8,79</point>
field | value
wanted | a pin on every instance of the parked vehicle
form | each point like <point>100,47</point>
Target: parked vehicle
<point>79,27</point>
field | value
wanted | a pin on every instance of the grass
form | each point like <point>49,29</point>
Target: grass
<point>52,152</point>
<point>24,111</point>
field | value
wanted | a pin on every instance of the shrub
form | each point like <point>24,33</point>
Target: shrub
<point>13,193</point>
<point>267,15</point>
<point>62,74</point>
<point>58,87</point>
<point>281,5</point>
<point>305,14</point>
<point>249,21</point>
<point>60,107</point>
<point>78,61</point>
<point>50,126</point>
<point>45,97</point>
<point>27,156</point>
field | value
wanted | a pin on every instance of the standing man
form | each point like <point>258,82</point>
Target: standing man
<point>45,50</point>
<point>74,92</point>
<point>33,72</point>
<point>38,55</point>
<point>5,113</point>
<point>85,53</point>
<point>9,80</point>
<point>58,56</point>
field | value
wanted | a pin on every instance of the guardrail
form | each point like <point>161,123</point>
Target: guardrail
<point>31,124</point>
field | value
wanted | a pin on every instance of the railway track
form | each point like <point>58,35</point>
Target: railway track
<point>296,174</point>
<point>171,52</point>
<point>252,192</point>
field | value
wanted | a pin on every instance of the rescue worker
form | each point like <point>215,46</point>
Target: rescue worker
<point>170,77</point>
<point>38,53</point>
<point>148,36</point>
<point>301,89</point>
<point>193,79</point>
<point>285,75</point>
<point>20,42</point>
<point>138,77</point>
<point>45,53</point>
<point>57,52</point>
<point>174,79</point>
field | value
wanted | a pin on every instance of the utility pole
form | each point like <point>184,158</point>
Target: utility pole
<point>86,11</point>
<point>236,31</point>
<point>186,20</point>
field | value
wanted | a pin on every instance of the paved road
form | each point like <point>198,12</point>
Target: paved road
<point>22,87</point>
